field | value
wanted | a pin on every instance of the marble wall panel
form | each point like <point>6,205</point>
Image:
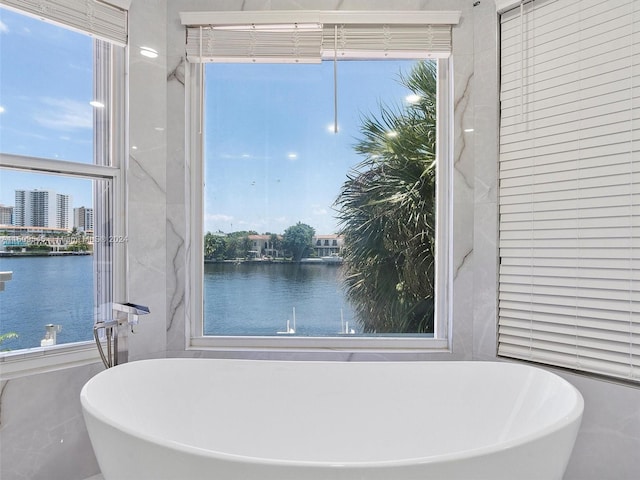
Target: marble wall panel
<point>484,139</point>
<point>609,438</point>
<point>146,176</point>
<point>178,186</point>
<point>42,431</point>
<point>176,276</point>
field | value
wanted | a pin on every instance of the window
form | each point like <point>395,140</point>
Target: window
<point>60,125</point>
<point>569,187</point>
<point>278,159</point>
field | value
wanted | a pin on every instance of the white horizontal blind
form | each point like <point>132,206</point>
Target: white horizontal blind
<point>93,17</point>
<point>312,42</point>
<point>251,44</point>
<point>395,41</point>
<point>569,289</point>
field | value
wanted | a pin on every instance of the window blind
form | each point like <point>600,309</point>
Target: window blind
<point>312,36</point>
<point>395,41</point>
<point>93,17</point>
<point>569,170</point>
<point>218,44</point>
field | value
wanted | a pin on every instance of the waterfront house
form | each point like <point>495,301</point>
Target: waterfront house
<point>263,246</point>
<point>328,245</point>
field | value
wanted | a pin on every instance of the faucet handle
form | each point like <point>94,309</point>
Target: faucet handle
<point>130,308</point>
<point>132,312</point>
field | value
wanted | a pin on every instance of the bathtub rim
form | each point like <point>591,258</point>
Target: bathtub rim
<point>572,416</point>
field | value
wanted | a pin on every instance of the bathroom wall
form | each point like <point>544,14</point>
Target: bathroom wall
<point>42,431</point>
<point>147,185</point>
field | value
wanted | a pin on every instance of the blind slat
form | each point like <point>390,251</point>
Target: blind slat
<point>592,344</point>
<point>622,369</point>
<point>590,326</point>
<point>632,264</point>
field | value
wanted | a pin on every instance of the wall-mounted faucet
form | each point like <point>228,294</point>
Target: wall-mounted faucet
<point>125,318</point>
<point>129,312</point>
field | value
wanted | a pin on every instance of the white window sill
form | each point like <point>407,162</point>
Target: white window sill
<point>33,361</point>
<point>379,345</point>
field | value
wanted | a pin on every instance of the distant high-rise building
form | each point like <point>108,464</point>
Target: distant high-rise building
<point>63,211</point>
<point>19,208</point>
<point>42,208</point>
<point>83,218</point>
<point>6,215</point>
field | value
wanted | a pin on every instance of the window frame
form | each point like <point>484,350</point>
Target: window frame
<point>390,346</point>
<point>109,145</point>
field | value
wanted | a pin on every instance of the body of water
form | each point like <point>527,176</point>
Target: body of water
<point>44,290</point>
<point>258,298</point>
<point>240,299</point>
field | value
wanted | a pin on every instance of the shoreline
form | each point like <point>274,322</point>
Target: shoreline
<point>304,261</point>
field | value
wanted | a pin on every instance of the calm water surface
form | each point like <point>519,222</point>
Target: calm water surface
<point>44,290</point>
<point>258,299</point>
<point>244,299</point>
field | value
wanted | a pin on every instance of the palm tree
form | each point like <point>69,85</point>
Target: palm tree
<point>387,213</point>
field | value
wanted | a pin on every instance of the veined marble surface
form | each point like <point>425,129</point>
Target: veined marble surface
<point>146,176</point>
<point>42,430</point>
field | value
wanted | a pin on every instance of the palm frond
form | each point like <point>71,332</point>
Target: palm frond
<point>386,210</point>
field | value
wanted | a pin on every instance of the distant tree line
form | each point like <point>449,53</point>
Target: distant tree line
<point>227,247</point>
<point>295,244</point>
<point>72,241</point>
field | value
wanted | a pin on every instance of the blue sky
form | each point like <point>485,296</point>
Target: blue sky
<point>46,84</point>
<point>271,157</point>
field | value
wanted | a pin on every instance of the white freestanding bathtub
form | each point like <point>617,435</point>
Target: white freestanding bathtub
<point>184,419</point>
